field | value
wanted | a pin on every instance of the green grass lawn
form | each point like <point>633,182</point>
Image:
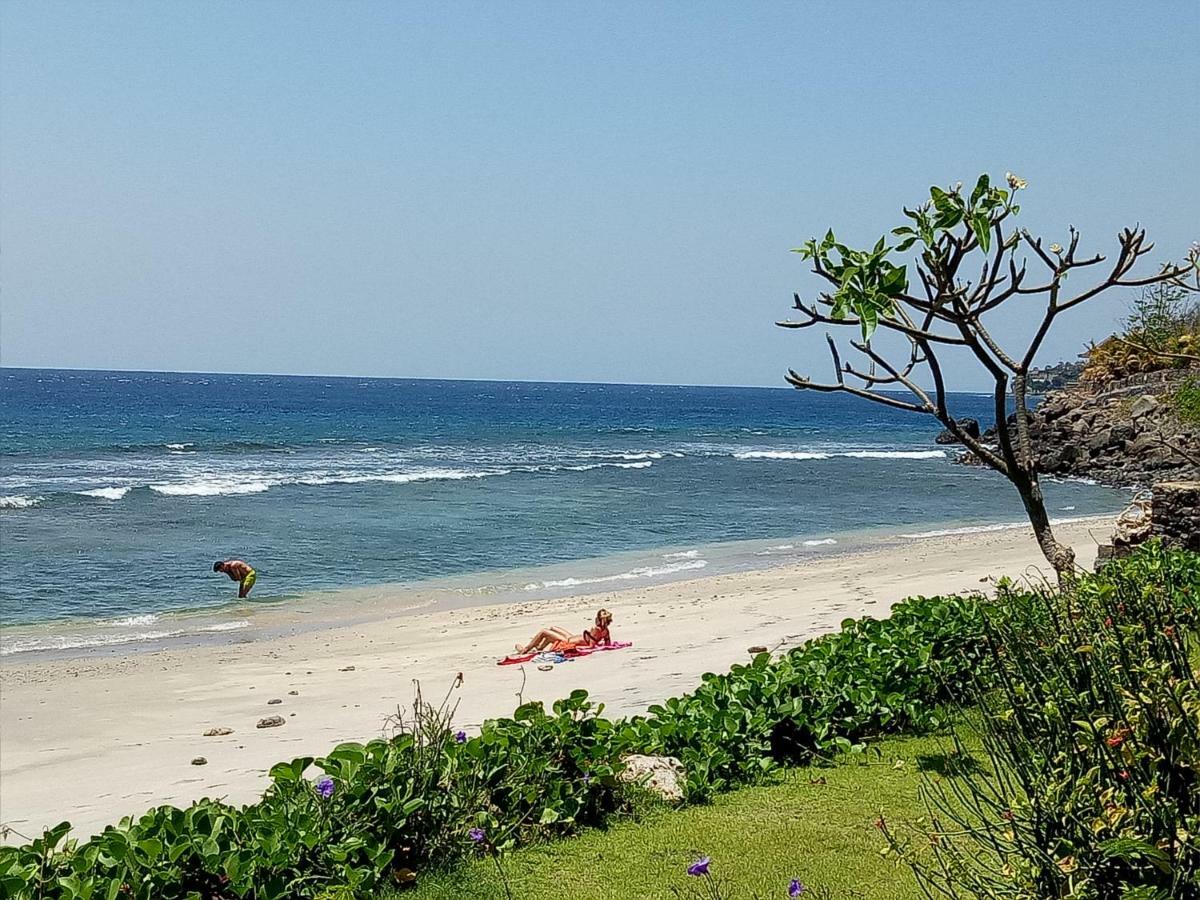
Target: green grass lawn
<point>816,824</point>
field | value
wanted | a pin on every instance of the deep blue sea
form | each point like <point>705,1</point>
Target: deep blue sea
<point>118,490</point>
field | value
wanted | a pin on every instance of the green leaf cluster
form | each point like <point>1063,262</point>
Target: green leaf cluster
<point>868,283</point>
<point>1091,721</point>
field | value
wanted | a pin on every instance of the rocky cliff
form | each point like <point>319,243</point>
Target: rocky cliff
<point>1127,432</point>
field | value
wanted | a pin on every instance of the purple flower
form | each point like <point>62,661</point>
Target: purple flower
<point>699,867</point>
<point>325,787</point>
<point>460,737</point>
<point>587,779</point>
<point>477,835</point>
<point>796,888</point>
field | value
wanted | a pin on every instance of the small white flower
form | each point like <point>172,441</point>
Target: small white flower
<point>1014,182</point>
<point>1056,248</point>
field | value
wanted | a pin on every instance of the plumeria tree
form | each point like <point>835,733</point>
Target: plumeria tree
<point>932,289</point>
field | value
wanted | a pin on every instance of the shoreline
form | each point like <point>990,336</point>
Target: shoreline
<point>96,738</point>
<point>322,609</point>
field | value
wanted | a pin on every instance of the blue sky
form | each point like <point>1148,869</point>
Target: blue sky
<point>546,191</point>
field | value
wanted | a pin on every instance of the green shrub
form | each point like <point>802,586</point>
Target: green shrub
<point>1186,401</point>
<point>871,678</point>
<point>1092,725</point>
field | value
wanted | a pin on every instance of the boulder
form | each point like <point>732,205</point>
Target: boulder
<point>661,775</point>
<point>1143,405</point>
<point>271,722</point>
<point>968,425</point>
<point>1098,441</point>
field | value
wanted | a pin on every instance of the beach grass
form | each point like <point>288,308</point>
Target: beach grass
<point>814,823</point>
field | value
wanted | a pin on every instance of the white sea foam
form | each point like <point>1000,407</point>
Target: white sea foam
<point>134,621</point>
<point>631,575</point>
<point>106,493</point>
<point>998,526</point>
<point>180,448</point>
<point>86,641</point>
<point>587,467</point>
<point>780,454</point>
<point>211,487</point>
<point>895,454</point>
<point>682,554</point>
<point>225,626</point>
<point>19,501</point>
<point>399,477</point>
<point>851,454</point>
<point>777,548</point>
<point>822,542</point>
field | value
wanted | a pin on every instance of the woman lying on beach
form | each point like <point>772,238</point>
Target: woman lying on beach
<point>561,640</point>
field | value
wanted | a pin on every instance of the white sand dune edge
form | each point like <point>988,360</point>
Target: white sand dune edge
<point>95,739</point>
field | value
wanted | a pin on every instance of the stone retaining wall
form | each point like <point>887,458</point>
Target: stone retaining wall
<point>1175,514</point>
<point>1136,384</point>
<point>1174,518</point>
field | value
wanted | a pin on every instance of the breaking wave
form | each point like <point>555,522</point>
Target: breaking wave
<point>85,641</point>
<point>849,454</point>
<point>210,487</point>
<point>19,501</point>
<point>400,477</point>
<point>999,526</point>
<point>106,493</point>
<point>780,454</point>
<point>631,575</point>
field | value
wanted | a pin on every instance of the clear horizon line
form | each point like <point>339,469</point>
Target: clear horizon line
<point>782,387</point>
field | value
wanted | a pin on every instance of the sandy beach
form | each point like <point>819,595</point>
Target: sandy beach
<point>98,737</point>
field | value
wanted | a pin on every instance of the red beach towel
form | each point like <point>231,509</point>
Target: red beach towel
<point>517,659</point>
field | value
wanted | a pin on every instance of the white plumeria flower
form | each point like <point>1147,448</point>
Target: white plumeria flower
<point>1014,182</point>
<point>1056,248</point>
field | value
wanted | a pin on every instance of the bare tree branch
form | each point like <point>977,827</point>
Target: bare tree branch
<point>951,312</point>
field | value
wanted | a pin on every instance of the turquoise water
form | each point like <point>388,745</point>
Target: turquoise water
<point>118,490</point>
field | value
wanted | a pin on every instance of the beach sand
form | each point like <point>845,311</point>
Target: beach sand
<point>102,736</point>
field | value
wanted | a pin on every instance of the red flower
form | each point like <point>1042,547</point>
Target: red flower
<point>1108,621</point>
<point>1116,739</point>
<point>1123,774</point>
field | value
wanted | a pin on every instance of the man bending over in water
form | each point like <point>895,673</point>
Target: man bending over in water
<point>240,572</point>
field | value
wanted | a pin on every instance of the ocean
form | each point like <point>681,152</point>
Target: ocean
<point>118,490</point>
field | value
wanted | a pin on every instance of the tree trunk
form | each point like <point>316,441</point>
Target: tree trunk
<point>1060,556</point>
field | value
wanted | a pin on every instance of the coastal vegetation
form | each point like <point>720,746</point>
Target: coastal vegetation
<point>951,237</point>
<point>1087,769</point>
